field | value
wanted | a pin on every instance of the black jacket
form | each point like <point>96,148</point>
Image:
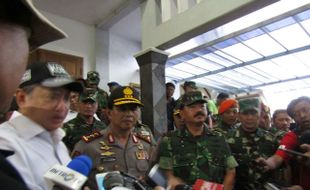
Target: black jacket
<point>10,179</point>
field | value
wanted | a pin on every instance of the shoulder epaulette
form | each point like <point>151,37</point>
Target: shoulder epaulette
<point>92,136</point>
<point>144,138</point>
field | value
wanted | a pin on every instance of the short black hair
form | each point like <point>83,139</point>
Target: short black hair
<point>170,84</point>
<point>276,112</point>
<point>293,103</point>
<point>222,95</point>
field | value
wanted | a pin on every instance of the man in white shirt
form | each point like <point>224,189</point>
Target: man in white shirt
<point>36,135</point>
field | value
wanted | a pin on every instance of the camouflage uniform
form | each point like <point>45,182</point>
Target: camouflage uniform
<point>223,128</point>
<point>246,148</point>
<point>144,132</point>
<point>206,157</point>
<point>93,78</point>
<point>77,127</point>
<point>109,155</point>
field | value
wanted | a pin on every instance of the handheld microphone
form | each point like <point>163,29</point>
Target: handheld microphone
<point>157,176</point>
<point>70,177</point>
<point>282,147</point>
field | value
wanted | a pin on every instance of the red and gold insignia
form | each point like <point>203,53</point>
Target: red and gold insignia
<point>111,138</point>
<point>141,155</point>
<point>90,137</point>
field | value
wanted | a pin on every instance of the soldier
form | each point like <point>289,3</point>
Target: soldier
<point>228,116</point>
<point>170,87</point>
<point>265,117</point>
<point>84,123</point>
<point>189,86</point>
<point>249,142</point>
<point>93,80</point>
<point>117,147</point>
<point>195,152</point>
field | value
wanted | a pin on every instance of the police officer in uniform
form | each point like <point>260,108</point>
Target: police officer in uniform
<point>194,152</point>
<point>93,79</point>
<point>84,123</point>
<point>118,148</point>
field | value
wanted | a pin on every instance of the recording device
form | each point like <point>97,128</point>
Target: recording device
<point>157,176</point>
<point>70,177</point>
<point>201,184</point>
<point>270,186</point>
<point>118,180</point>
<point>282,147</point>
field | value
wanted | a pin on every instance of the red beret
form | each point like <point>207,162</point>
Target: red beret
<point>226,104</point>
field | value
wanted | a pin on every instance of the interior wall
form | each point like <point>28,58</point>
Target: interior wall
<point>81,40</point>
<point>106,51</point>
<point>124,68</point>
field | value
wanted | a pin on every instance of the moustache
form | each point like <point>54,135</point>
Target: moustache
<point>200,113</point>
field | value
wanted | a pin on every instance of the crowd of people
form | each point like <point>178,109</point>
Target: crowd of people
<point>230,143</point>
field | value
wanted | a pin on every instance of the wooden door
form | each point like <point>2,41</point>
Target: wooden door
<point>73,64</point>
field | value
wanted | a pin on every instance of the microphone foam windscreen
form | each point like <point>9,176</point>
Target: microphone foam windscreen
<point>113,179</point>
<point>81,164</point>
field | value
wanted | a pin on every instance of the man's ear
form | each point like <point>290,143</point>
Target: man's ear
<point>20,97</point>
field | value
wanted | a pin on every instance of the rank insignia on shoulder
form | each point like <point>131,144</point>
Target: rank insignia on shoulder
<point>90,137</point>
<point>146,138</point>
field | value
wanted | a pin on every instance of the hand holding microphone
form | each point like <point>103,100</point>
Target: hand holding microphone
<point>70,177</point>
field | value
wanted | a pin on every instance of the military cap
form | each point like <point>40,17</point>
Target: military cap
<point>190,98</point>
<point>249,104</point>
<point>49,74</point>
<point>227,104</point>
<point>124,95</point>
<point>191,84</point>
<point>93,77</point>
<point>89,94</point>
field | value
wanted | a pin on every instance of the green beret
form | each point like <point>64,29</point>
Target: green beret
<point>249,104</point>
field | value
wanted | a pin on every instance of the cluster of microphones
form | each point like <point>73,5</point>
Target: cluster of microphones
<point>74,176</point>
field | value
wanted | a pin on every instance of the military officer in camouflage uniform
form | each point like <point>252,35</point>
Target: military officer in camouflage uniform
<point>228,116</point>
<point>93,80</point>
<point>249,142</point>
<point>84,123</point>
<point>118,148</point>
<point>194,152</point>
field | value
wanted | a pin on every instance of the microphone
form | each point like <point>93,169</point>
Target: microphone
<point>111,181</point>
<point>282,147</point>
<point>157,177</point>
<point>201,184</point>
<point>183,187</point>
<point>70,177</point>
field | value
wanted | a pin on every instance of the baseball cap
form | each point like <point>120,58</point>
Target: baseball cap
<point>249,104</point>
<point>227,104</point>
<point>42,30</point>
<point>89,94</point>
<point>93,77</point>
<point>49,74</point>
<point>190,98</point>
<point>124,95</point>
<point>191,84</point>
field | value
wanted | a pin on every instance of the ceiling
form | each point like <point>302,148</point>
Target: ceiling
<point>270,55</point>
<point>102,14</point>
